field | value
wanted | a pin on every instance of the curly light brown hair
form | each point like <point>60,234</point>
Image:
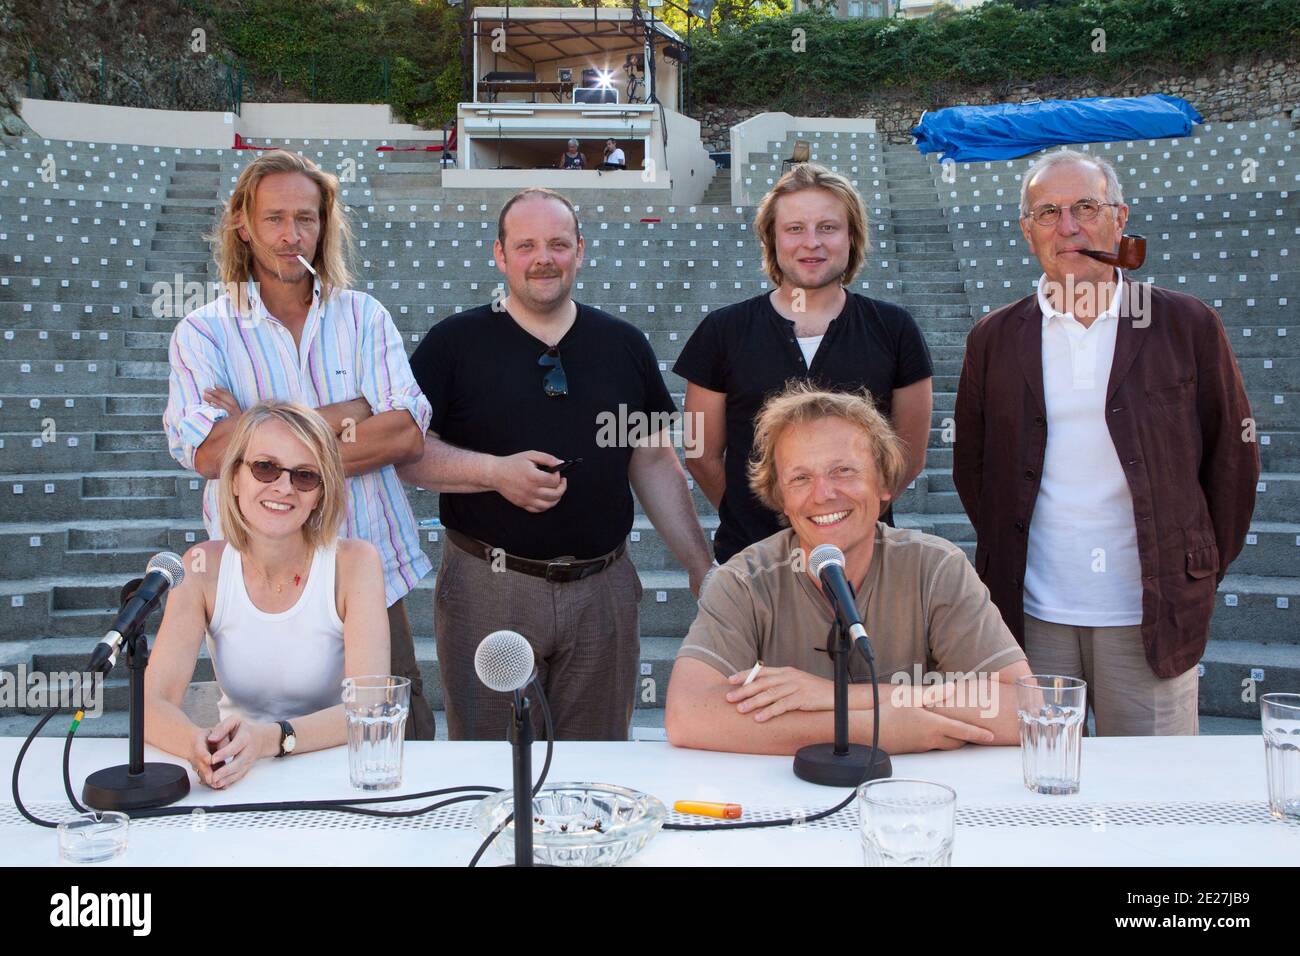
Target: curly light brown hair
<point>811,176</point>
<point>235,256</point>
<point>800,403</point>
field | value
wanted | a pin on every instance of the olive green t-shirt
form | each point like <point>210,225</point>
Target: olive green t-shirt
<point>924,608</point>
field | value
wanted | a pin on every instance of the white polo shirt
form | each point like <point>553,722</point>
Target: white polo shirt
<point>1083,566</point>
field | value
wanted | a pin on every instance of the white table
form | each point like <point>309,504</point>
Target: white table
<point>1144,801</point>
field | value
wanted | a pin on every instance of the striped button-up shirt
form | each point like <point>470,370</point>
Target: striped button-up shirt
<point>349,348</point>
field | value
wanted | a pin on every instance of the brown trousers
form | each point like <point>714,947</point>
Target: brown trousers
<point>584,635</point>
<point>420,724</point>
<point>1127,699</point>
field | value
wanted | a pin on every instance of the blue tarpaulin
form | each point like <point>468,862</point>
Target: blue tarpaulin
<point>1007,130</point>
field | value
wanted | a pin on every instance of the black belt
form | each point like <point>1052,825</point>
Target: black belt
<point>561,570</point>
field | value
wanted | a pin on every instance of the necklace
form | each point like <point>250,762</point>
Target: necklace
<point>279,588</point>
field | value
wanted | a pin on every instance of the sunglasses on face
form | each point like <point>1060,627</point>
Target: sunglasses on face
<point>554,383</point>
<point>267,472</point>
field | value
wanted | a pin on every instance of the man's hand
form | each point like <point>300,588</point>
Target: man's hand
<point>908,725</point>
<point>519,480</point>
<point>777,690</point>
<point>340,414</point>
<point>223,400</point>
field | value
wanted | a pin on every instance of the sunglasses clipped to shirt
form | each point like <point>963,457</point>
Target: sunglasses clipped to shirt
<point>267,472</point>
<point>554,383</point>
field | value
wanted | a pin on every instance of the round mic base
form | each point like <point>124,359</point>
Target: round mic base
<point>820,764</point>
<point>114,788</point>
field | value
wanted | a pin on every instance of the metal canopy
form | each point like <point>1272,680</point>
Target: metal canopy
<point>550,34</point>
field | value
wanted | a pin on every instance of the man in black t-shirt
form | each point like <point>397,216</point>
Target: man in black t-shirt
<point>813,229</point>
<point>536,538</point>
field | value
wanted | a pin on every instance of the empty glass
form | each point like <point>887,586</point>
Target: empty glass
<point>1052,711</point>
<point>1279,716</point>
<point>93,837</point>
<point>376,707</point>
<point>906,822</point>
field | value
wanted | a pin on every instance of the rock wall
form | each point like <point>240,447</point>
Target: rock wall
<point>1242,91</point>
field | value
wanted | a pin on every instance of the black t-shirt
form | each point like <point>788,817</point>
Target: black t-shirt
<point>479,371</point>
<point>749,350</point>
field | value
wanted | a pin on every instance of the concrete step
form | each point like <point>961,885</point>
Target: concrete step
<point>1237,673</point>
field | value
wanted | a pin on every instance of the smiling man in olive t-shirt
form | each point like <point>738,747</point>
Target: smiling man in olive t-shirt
<point>824,461</point>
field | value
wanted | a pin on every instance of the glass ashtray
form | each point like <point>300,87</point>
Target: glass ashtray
<point>577,824</point>
<point>93,837</point>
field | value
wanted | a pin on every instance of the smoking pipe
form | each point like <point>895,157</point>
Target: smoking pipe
<point>1132,253</point>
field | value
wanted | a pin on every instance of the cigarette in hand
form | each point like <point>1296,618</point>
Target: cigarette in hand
<point>749,678</point>
<point>307,264</point>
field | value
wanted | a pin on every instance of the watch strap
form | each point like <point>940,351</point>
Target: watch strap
<point>286,731</point>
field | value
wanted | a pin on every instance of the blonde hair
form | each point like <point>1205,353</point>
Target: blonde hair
<point>235,256</point>
<point>801,403</point>
<point>811,176</point>
<point>321,526</point>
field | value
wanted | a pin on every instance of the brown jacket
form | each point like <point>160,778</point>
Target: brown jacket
<point>1177,413</point>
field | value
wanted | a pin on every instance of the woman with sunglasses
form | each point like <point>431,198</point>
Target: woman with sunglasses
<point>287,608</point>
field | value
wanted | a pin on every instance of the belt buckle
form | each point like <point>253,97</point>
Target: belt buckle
<point>562,563</point>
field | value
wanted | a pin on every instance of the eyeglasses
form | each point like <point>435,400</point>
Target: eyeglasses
<point>1085,210</point>
<point>303,479</point>
<point>554,383</point>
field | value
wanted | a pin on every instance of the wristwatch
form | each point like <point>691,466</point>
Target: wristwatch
<point>288,740</point>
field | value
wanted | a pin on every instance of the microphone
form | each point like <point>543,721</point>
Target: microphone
<point>842,764</point>
<point>827,565</point>
<point>504,662</point>
<point>164,572</point>
<point>136,785</point>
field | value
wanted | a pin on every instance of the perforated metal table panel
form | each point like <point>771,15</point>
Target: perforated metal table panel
<point>1143,801</point>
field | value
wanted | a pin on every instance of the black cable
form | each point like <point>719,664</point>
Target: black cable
<point>541,779</point>
<point>22,752</point>
<point>356,806</point>
<point>67,775</point>
<point>341,806</point>
<point>821,814</point>
<point>334,805</point>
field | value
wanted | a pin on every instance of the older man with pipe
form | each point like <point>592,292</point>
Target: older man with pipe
<point>1105,454</point>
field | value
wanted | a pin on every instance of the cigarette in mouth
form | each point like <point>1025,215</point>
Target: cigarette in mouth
<point>307,264</point>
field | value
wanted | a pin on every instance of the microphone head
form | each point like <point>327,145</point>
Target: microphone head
<point>504,661</point>
<point>168,563</point>
<point>822,556</point>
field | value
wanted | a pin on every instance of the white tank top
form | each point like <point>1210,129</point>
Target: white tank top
<point>276,666</point>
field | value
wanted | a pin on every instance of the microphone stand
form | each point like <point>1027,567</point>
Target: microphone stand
<point>135,785</point>
<point>521,740</point>
<point>843,764</point>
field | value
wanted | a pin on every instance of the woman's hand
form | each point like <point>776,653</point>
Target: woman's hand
<point>200,756</point>
<point>240,744</point>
